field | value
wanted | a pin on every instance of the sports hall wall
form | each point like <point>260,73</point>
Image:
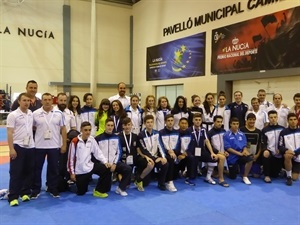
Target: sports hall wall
<point>23,58</point>
<point>40,57</point>
<point>150,17</point>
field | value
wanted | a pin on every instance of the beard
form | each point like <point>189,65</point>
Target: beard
<point>62,107</point>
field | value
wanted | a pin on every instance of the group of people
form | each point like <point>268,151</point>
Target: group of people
<point>121,137</point>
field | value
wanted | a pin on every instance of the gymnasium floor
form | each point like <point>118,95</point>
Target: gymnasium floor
<point>259,203</point>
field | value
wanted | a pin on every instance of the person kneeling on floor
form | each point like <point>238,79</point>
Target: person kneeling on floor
<point>81,167</point>
<point>235,143</point>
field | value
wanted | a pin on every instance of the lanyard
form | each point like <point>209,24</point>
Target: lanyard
<point>197,137</point>
<point>49,120</point>
<point>149,142</point>
<point>126,142</point>
<point>116,123</point>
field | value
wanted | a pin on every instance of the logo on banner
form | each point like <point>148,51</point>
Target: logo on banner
<point>181,59</point>
<point>236,46</point>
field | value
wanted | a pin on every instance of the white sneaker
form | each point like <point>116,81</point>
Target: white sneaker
<point>170,186</point>
<point>120,192</point>
<point>246,180</point>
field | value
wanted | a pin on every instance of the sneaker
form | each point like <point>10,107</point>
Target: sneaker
<point>289,181</point>
<point>161,187</point>
<point>246,180</point>
<point>14,202</point>
<point>25,198</point>
<point>55,194</point>
<point>99,194</point>
<point>34,196</point>
<point>170,186</point>
<point>70,182</point>
<point>210,180</point>
<point>120,192</point>
<point>4,194</point>
<point>190,182</point>
<point>139,185</point>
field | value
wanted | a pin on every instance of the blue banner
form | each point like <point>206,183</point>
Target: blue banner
<point>177,59</point>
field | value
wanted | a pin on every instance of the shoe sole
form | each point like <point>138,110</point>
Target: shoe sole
<point>35,197</point>
<point>210,182</point>
<point>119,193</point>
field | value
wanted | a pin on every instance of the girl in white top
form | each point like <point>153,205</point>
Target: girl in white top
<point>75,107</point>
<point>223,110</point>
<point>150,109</point>
<point>209,111</point>
<point>163,109</point>
<point>134,112</point>
<point>180,110</point>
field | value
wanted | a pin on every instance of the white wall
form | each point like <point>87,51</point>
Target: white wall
<point>150,17</point>
<point>31,58</point>
<point>26,58</point>
<point>286,86</point>
<point>113,23</point>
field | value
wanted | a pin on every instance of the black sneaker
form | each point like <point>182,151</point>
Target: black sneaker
<point>190,182</point>
<point>34,196</point>
<point>55,194</point>
<point>162,187</point>
<point>289,181</point>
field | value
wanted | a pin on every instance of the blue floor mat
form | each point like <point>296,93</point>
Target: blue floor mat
<point>259,203</point>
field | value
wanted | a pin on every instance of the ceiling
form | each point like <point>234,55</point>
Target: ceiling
<point>122,2</point>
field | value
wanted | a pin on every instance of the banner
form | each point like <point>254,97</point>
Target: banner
<point>177,59</point>
<point>263,43</point>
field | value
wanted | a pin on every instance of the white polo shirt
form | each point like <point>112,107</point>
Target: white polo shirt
<point>282,113</point>
<point>51,121</point>
<point>124,100</point>
<point>261,118</point>
<point>22,124</point>
<point>69,118</point>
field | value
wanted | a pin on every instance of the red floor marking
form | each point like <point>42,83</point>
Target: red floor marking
<point>4,159</point>
<point>3,143</point>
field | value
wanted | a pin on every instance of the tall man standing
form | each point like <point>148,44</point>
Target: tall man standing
<point>31,90</point>
<point>21,151</point>
<point>70,124</point>
<point>50,137</point>
<point>281,109</point>
<point>124,99</point>
<point>238,108</point>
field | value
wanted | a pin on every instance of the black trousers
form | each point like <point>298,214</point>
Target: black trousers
<point>63,172</point>
<point>52,169</point>
<point>272,165</point>
<point>162,172</point>
<point>125,171</point>
<point>141,163</point>
<point>21,171</point>
<point>104,180</point>
<point>170,173</point>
